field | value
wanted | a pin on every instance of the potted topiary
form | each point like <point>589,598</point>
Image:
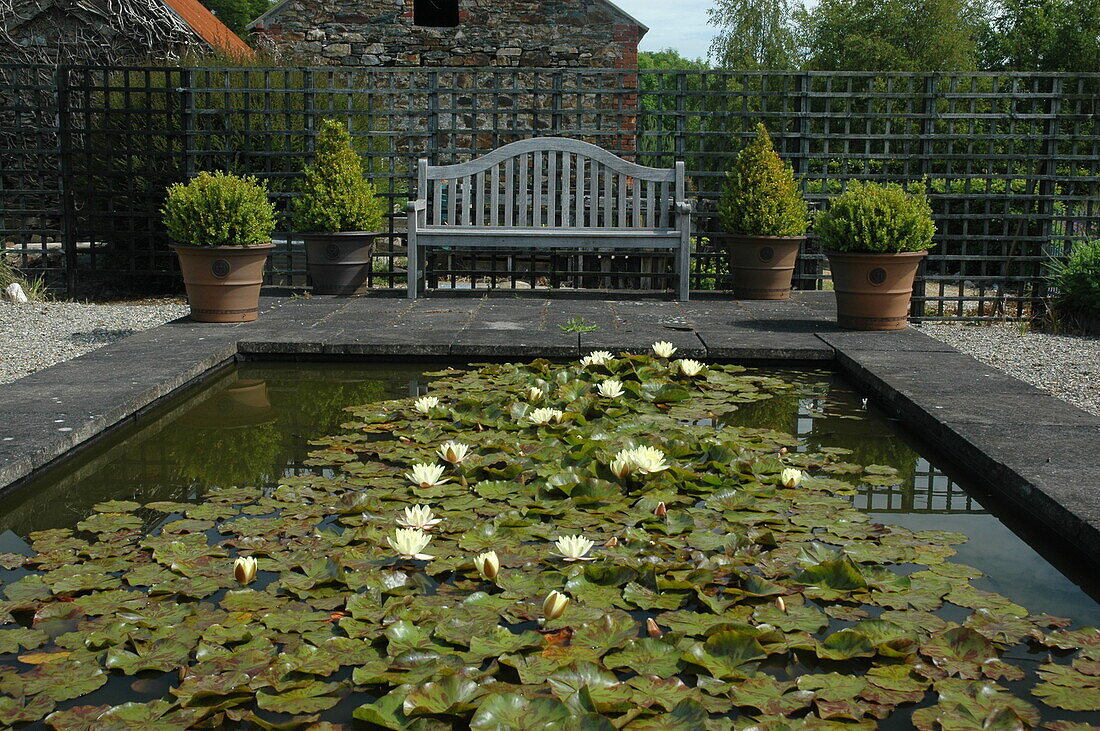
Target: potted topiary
<point>339,214</point>
<point>765,218</point>
<point>875,237</point>
<point>222,227</point>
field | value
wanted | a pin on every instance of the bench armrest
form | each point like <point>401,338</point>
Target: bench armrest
<point>416,205</point>
<point>683,206</point>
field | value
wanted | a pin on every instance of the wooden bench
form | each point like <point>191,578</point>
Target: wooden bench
<point>549,193</point>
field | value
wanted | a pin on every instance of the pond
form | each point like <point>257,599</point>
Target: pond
<point>715,595</point>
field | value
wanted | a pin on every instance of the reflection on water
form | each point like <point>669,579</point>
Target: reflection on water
<point>252,424</point>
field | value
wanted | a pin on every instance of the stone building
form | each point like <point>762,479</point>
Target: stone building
<point>558,33</point>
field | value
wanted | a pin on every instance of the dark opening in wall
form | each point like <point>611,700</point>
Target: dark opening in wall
<point>435,13</point>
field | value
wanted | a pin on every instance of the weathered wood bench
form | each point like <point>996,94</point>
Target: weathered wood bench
<point>549,193</point>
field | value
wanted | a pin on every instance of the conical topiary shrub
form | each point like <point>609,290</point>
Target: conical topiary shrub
<point>764,217</point>
<point>339,214</point>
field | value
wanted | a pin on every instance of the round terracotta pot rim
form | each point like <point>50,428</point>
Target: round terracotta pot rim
<point>893,254</point>
<point>223,247</point>
<point>770,238</point>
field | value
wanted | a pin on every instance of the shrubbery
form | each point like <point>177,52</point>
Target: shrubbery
<point>1078,280</point>
<point>877,219</point>
<point>335,195</point>
<point>219,209</point>
<point>761,196</point>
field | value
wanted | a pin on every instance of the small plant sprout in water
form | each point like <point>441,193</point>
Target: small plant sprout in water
<point>244,569</point>
<point>419,517</point>
<point>790,477</point>
<point>577,325</point>
<point>424,404</point>
<point>534,393</point>
<point>554,605</point>
<point>610,388</point>
<point>488,565</point>
<point>545,416</point>
<point>690,368</point>
<point>426,475</point>
<point>596,357</point>
<point>410,543</point>
<point>664,349</point>
<point>574,548</point>
<point>454,452</point>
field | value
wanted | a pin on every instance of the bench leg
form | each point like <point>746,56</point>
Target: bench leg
<point>413,267</point>
<point>683,272</point>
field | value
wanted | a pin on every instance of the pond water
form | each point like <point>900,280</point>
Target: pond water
<point>251,426</point>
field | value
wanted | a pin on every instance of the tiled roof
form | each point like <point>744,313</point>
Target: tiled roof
<point>209,28</point>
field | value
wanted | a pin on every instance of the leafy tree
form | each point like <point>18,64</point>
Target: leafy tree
<point>669,58</point>
<point>890,35</point>
<point>1043,35</point>
<point>236,14</point>
<point>753,34</point>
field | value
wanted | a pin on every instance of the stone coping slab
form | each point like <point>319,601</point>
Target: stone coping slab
<point>1015,441</point>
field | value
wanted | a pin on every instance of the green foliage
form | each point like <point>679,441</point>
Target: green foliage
<point>897,35</point>
<point>219,209</point>
<point>1078,279</point>
<point>1043,35</point>
<point>761,196</point>
<point>577,325</point>
<point>753,34</point>
<point>236,14</point>
<point>875,218</point>
<point>335,195</point>
<point>669,58</point>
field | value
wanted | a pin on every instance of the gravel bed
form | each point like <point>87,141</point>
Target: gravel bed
<point>38,334</point>
<point>1066,366</point>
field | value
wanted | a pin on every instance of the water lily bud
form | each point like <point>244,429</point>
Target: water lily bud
<point>244,569</point>
<point>488,565</point>
<point>534,393</point>
<point>424,404</point>
<point>790,477</point>
<point>660,511</point>
<point>782,451</point>
<point>610,388</point>
<point>780,604</point>
<point>664,349</point>
<point>611,542</point>
<point>554,605</point>
<point>652,629</point>
<point>621,467</point>
<point>453,452</point>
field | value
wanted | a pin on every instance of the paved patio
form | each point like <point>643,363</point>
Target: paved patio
<point>1016,442</point>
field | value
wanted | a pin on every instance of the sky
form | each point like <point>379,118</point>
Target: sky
<point>679,24</point>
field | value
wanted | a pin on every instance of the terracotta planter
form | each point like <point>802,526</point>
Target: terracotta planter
<point>223,282</point>
<point>762,266</point>
<point>873,290</point>
<point>339,263</point>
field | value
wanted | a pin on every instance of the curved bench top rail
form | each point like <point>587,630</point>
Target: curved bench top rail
<point>554,144</point>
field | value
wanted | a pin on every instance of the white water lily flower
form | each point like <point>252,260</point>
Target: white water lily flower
<point>574,548</point>
<point>418,516</point>
<point>426,475</point>
<point>488,565</point>
<point>790,477</point>
<point>454,452</point>
<point>546,416</point>
<point>690,368</point>
<point>664,349</point>
<point>610,388</point>
<point>410,542</point>
<point>621,466</point>
<point>244,569</point>
<point>424,404</point>
<point>554,604</point>
<point>534,393</point>
<point>639,459</point>
<point>596,357</point>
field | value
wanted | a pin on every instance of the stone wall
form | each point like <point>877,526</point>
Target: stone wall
<point>559,33</point>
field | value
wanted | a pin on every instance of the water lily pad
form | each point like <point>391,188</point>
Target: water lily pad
<point>727,654</point>
<point>507,711</point>
<point>647,656</point>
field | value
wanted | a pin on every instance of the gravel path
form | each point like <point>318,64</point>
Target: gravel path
<point>39,334</point>
<point>1067,366</point>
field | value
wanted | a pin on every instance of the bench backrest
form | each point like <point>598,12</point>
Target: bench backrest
<point>550,182</point>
